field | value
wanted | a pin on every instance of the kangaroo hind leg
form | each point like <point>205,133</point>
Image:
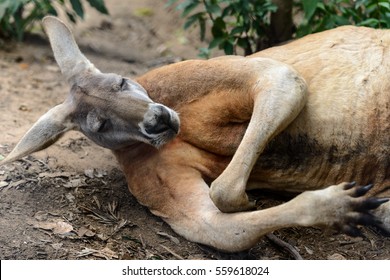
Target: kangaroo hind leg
<point>195,217</point>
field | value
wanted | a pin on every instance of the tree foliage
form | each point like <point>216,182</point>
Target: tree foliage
<point>322,15</point>
<point>245,24</point>
<point>18,16</point>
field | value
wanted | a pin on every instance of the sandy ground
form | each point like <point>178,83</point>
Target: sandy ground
<point>71,201</point>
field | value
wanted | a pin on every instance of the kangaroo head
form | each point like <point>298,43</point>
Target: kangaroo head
<point>113,111</point>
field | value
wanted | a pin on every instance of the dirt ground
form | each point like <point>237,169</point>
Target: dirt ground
<point>71,200</point>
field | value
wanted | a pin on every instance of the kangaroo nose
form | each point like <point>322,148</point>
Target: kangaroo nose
<point>164,119</point>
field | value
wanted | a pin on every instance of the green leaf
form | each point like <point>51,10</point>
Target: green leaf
<point>371,22</point>
<point>386,5</point>
<point>1,157</point>
<point>187,7</point>
<point>309,7</point>
<point>237,30</point>
<point>242,43</point>
<point>99,6</point>
<point>192,19</point>
<point>3,8</point>
<point>77,7</point>
<point>213,9</point>
<point>219,27</point>
<point>216,42</point>
<point>228,48</point>
<point>387,19</point>
<point>227,11</point>
<point>11,6</point>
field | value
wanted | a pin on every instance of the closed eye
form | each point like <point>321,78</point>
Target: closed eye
<point>123,84</point>
<point>104,126</point>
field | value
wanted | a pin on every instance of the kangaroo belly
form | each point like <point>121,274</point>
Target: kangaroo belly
<point>310,156</point>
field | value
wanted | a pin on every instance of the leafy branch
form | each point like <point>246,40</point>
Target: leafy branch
<point>18,16</point>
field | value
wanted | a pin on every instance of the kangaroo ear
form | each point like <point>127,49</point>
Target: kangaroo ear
<point>46,131</point>
<point>66,52</point>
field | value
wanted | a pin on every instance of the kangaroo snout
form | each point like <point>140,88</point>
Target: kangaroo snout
<point>160,124</point>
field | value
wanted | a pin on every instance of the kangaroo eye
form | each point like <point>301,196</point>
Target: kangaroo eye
<point>123,84</point>
<point>104,126</point>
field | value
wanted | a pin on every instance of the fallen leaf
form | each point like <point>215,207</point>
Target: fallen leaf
<point>62,228</point>
<point>59,227</point>
<point>336,256</point>
<point>56,246</point>
<point>3,184</point>
<point>41,216</point>
<point>83,231</point>
<point>102,236</point>
<point>108,253</point>
<point>45,225</point>
<point>75,183</point>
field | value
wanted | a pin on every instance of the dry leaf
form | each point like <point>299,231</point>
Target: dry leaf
<point>75,183</point>
<point>83,231</point>
<point>62,228</point>
<point>57,246</point>
<point>108,254</point>
<point>41,216</point>
<point>3,184</point>
<point>336,256</point>
<point>59,227</point>
<point>102,236</point>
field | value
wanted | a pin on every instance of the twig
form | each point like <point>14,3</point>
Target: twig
<point>172,252</point>
<point>285,246</point>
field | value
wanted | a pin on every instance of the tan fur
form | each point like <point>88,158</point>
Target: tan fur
<point>295,118</point>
